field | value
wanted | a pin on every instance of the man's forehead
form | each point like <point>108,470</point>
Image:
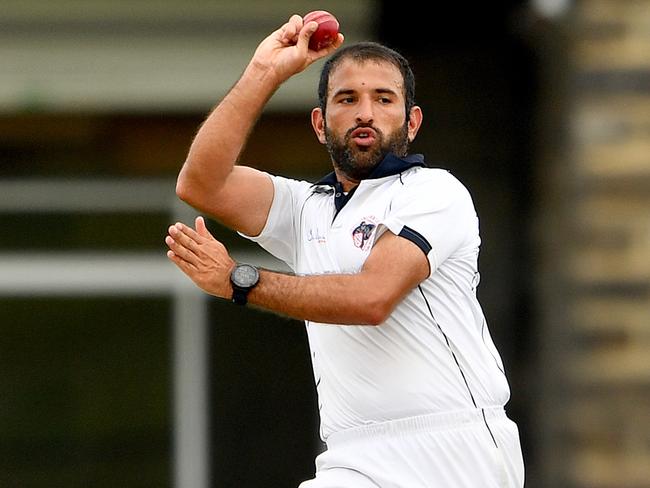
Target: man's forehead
<point>350,63</point>
<point>373,70</point>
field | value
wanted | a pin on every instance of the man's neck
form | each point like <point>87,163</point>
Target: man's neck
<point>346,182</point>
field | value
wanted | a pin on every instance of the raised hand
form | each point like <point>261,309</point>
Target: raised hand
<point>201,257</point>
<point>286,51</point>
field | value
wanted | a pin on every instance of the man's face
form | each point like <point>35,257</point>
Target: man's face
<point>365,116</point>
<point>357,162</point>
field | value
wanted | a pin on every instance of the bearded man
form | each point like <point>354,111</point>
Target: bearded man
<point>384,252</point>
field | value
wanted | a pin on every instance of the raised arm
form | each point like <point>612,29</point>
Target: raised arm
<point>238,196</point>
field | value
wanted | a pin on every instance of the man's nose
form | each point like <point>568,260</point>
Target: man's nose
<point>364,112</point>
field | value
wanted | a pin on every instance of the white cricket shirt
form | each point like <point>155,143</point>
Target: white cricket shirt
<point>434,353</point>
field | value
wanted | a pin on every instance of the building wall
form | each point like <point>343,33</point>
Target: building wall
<point>595,233</point>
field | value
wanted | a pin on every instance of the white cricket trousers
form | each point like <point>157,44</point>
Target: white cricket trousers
<point>476,448</point>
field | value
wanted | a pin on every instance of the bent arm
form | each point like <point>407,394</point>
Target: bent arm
<point>237,196</point>
<point>394,267</point>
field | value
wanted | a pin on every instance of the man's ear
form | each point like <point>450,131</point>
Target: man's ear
<point>415,121</point>
<point>318,123</point>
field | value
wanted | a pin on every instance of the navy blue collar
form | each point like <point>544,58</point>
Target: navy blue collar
<point>389,166</point>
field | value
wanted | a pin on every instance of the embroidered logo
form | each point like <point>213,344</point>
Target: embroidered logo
<point>361,235</point>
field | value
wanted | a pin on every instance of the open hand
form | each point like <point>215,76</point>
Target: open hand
<point>201,257</point>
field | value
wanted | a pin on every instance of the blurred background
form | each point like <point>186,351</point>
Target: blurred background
<point>115,371</point>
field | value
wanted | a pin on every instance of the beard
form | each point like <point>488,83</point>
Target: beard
<point>355,162</point>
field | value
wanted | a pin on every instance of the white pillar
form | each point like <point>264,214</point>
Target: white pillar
<point>191,422</point>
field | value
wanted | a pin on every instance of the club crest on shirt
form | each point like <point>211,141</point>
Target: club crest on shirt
<point>362,233</point>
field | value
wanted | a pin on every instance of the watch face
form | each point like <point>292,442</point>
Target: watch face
<point>244,275</point>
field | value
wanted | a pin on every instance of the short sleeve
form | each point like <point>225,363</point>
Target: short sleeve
<point>278,236</point>
<point>435,211</point>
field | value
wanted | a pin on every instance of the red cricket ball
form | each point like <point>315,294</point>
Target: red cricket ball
<point>328,29</point>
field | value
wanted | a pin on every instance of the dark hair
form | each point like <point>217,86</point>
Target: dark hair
<point>365,51</point>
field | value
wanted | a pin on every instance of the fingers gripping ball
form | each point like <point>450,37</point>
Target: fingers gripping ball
<point>328,29</point>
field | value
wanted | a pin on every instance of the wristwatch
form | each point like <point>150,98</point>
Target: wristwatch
<point>243,278</point>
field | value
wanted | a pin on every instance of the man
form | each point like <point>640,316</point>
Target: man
<point>411,388</point>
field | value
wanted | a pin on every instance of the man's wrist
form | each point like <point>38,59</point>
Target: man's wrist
<point>243,278</point>
<point>262,75</point>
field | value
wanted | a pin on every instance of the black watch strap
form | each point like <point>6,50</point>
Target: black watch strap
<point>240,296</point>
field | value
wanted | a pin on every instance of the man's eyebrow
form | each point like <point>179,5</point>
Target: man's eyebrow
<point>343,91</point>
<point>386,90</point>
<point>350,91</point>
